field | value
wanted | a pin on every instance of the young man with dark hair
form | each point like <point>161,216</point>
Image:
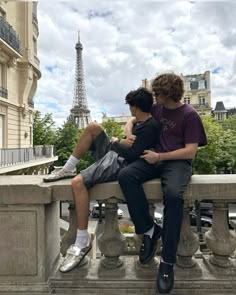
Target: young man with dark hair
<point>181,134</point>
<point>111,156</point>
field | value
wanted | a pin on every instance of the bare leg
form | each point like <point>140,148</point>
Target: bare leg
<point>86,139</point>
<point>82,245</point>
<point>81,147</point>
<point>81,199</point>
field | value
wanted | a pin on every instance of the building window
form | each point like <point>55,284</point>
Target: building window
<point>31,135</point>
<point>201,100</point>
<point>220,117</point>
<point>3,74</point>
<point>187,86</point>
<point>187,100</point>
<point>1,131</point>
<point>35,45</point>
<point>201,84</point>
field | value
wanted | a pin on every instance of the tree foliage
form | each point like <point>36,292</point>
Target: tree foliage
<point>68,135</point>
<point>43,129</point>
<point>219,155</point>
<point>113,128</point>
<point>66,138</point>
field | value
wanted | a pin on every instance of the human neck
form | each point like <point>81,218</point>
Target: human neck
<point>143,116</point>
<point>170,104</point>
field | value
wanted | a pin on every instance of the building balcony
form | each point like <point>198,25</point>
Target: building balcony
<point>201,106</point>
<point>3,92</point>
<point>31,248</point>
<point>9,40</point>
<point>35,160</point>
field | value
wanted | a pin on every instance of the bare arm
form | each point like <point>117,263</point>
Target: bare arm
<point>129,127</point>
<point>186,153</point>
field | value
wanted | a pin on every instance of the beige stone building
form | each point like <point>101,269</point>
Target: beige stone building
<point>198,92</point>
<point>19,73</point>
<point>122,119</point>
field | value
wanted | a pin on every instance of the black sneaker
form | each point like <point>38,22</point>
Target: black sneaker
<point>148,247</point>
<point>165,278</point>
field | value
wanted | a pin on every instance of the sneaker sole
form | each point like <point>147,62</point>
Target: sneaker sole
<point>79,263</point>
<point>61,178</point>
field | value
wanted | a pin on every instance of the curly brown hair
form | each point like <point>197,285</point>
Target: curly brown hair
<point>168,85</point>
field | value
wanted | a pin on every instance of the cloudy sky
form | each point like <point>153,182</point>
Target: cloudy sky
<point>127,41</point>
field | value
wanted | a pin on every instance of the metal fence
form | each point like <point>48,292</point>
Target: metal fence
<point>8,34</point>
<point>9,157</point>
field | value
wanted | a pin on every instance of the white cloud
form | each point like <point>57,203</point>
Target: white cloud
<point>125,42</point>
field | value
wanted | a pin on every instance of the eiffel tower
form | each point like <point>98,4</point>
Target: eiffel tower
<point>79,114</point>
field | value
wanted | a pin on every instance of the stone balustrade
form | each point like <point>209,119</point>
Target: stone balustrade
<point>30,241</point>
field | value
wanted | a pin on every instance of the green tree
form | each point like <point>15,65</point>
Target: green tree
<point>230,123</point>
<point>219,155</point>
<point>68,135</point>
<point>66,138</point>
<point>113,128</point>
<point>43,129</point>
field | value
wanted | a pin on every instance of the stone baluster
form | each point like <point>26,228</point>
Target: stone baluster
<point>70,235</point>
<point>219,239</point>
<point>189,242</point>
<point>111,242</point>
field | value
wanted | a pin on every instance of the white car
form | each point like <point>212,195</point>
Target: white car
<point>95,211</point>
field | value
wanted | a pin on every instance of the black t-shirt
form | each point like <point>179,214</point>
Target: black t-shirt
<point>147,137</point>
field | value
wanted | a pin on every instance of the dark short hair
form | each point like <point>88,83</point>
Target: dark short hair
<point>168,85</point>
<point>141,98</point>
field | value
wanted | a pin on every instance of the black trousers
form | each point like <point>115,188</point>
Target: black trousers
<point>175,176</point>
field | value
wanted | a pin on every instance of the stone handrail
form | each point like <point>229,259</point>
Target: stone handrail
<point>29,227</point>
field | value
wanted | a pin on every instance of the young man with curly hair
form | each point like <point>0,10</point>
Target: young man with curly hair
<point>181,134</point>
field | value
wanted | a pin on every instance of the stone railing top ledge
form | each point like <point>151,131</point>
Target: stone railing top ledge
<point>30,189</point>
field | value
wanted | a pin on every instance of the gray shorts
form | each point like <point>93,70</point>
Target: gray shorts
<point>107,166</point>
<point>100,146</point>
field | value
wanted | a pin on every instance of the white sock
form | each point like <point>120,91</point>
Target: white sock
<point>71,163</point>
<point>81,238</point>
<point>150,232</point>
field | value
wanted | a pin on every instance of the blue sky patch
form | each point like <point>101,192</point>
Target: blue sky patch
<point>51,68</point>
<point>216,70</point>
<point>103,14</point>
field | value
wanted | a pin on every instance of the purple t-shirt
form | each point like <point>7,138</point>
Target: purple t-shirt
<point>178,127</point>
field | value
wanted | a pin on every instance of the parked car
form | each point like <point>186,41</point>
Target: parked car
<point>158,217</point>
<point>95,211</point>
<point>206,221</point>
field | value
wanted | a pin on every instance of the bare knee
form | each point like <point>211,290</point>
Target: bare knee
<point>94,128</point>
<point>77,182</point>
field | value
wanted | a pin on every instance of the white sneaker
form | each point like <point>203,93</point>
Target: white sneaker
<point>59,174</point>
<point>75,257</point>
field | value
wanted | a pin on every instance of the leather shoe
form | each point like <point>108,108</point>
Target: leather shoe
<point>148,247</point>
<point>165,278</point>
